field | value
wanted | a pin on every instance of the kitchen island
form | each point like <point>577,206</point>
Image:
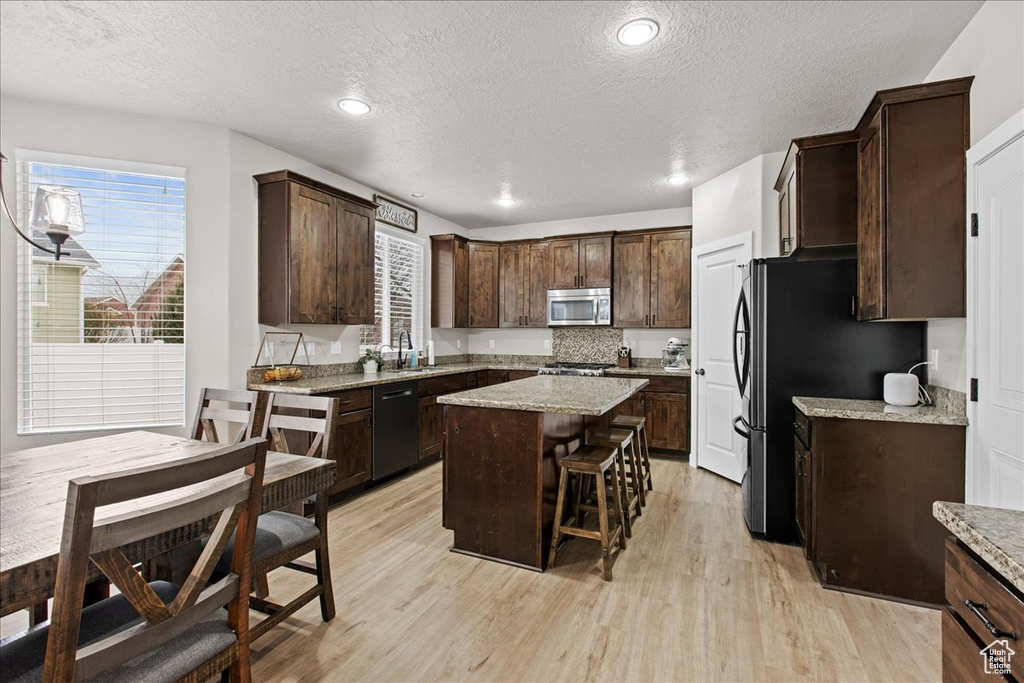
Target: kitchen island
<point>503,444</point>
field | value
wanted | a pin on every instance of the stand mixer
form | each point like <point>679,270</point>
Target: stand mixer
<point>673,358</point>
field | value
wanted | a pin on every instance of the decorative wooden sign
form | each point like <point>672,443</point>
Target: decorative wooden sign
<point>399,215</point>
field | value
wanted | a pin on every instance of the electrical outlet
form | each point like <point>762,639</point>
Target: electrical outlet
<point>490,343</point>
<point>336,348</point>
<point>458,343</point>
<point>311,348</point>
<point>547,343</point>
<point>268,350</point>
<point>934,358</point>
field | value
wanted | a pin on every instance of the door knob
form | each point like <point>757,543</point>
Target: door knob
<point>701,372</point>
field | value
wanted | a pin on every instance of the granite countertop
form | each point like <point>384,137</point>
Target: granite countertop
<point>355,380</point>
<point>651,372</point>
<point>879,411</point>
<point>994,534</point>
<point>551,394</point>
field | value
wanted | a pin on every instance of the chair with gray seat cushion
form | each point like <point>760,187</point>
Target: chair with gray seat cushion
<point>153,631</point>
<point>283,537</point>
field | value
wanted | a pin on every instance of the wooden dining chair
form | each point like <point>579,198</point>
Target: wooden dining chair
<point>150,631</point>
<point>222,405</point>
<point>283,537</point>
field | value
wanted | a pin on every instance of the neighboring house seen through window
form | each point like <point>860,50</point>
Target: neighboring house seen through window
<point>101,345</point>
<point>398,292</point>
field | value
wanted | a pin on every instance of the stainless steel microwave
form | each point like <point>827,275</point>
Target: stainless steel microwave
<point>579,307</point>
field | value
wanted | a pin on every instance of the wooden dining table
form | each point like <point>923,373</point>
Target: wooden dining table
<point>34,488</point>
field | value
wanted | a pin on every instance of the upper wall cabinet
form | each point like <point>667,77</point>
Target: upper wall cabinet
<point>483,284</point>
<point>652,279</point>
<point>911,214</point>
<point>580,263</point>
<point>316,247</point>
<point>523,283</point>
<point>449,277</point>
<point>818,194</point>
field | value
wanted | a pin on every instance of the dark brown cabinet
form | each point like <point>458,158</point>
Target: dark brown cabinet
<point>353,439</point>
<point>523,284</point>
<point>483,284</point>
<point>449,276</point>
<point>665,403</point>
<point>431,427</point>
<point>652,279</point>
<point>817,189</point>
<point>580,263</point>
<point>316,248</point>
<point>911,215</point>
<point>867,513</point>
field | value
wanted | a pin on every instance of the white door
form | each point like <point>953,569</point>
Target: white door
<point>716,283</point>
<point>995,318</point>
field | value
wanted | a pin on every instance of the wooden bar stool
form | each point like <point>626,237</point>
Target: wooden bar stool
<point>639,427</point>
<point>590,461</point>
<point>632,493</point>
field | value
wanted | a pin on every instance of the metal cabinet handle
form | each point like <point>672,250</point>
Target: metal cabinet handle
<point>654,320</point>
<point>520,321</point>
<point>976,607</point>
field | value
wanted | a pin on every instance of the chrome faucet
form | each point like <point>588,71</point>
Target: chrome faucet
<point>401,358</point>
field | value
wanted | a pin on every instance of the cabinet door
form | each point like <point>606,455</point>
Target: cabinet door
<point>870,224</point>
<point>670,279</point>
<point>565,264</point>
<point>800,469</point>
<point>511,280</point>
<point>536,294</point>
<point>461,285</point>
<point>355,264</point>
<point>668,420</point>
<point>595,263</point>
<point>431,429</point>
<point>353,449</point>
<point>632,290</point>
<point>513,375</point>
<point>311,254</point>
<point>632,406</point>
<point>483,285</point>
<point>785,236</point>
<point>497,377</point>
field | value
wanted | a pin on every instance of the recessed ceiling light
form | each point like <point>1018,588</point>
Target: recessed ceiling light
<point>354,107</point>
<point>678,180</point>
<point>417,194</point>
<point>506,201</point>
<point>638,32</point>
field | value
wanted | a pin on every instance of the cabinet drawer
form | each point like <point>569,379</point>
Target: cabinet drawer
<point>435,386</point>
<point>671,385</point>
<point>967,579</point>
<point>802,427</point>
<point>356,399</point>
<point>962,660</point>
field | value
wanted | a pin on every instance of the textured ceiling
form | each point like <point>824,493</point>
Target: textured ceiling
<point>472,99</point>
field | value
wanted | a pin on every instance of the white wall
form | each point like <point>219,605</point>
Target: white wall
<point>203,150</point>
<point>991,48</point>
<point>740,200</point>
<point>537,342</point>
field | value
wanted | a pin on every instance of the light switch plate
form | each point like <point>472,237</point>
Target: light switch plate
<point>934,358</point>
<point>311,348</point>
<point>336,348</point>
<point>547,343</point>
<point>490,343</point>
<point>458,343</point>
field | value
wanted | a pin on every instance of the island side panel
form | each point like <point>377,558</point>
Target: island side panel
<point>493,482</point>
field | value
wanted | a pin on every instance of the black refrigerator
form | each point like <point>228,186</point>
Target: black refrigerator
<point>795,333</point>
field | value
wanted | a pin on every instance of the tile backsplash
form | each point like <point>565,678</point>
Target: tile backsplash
<point>585,344</point>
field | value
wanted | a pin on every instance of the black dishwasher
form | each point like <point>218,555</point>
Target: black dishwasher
<point>395,428</point>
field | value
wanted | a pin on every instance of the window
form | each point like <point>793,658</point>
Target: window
<point>398,292</point>
<point>107,349</point>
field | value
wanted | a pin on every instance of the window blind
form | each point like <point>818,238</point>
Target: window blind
<point>101,332</point>
<point>398,292</point>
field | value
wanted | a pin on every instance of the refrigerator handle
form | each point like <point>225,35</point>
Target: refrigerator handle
<point>736,427</point>
<point>741,374</point>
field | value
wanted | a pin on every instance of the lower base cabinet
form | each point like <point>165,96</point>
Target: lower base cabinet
<point>431,428</point>
<point>665,405</point>
<point>353,438</point>
<point>976,594</point>
<point>864,503</point>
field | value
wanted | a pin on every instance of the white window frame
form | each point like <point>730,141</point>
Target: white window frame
<point>418,330</point>
<point>25,260</point>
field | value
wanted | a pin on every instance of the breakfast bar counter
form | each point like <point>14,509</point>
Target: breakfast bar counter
<point>503,444</point>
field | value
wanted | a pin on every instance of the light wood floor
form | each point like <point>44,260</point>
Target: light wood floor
<point>694,598</point>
